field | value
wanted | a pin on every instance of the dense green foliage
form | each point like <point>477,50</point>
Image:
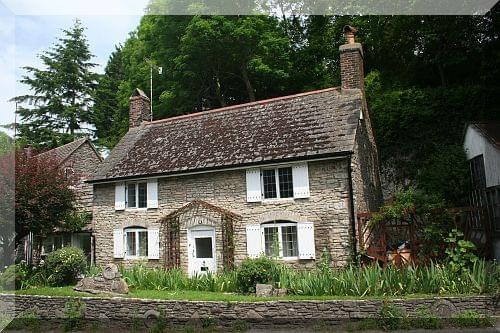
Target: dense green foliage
<point>431,221</point>
<point>254,271</point>
<point>426,77</point>
<point>482,278</point>
<point>460,252</point>
<point>8,278</point>
<point>6,144</point>
<point>58,106</point>
<point>64,265</point>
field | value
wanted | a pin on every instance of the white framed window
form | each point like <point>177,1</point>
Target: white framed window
<point>278,182</point>
<point>284,239</point>
<point>136,195</point>
<point>135,242</point>
<point>280,239</point>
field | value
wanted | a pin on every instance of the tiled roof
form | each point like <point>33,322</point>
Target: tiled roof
<point>491,130</point>
<point>63,152</point>
<point>303,126</point>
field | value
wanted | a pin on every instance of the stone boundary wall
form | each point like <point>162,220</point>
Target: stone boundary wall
<point>125,311</point>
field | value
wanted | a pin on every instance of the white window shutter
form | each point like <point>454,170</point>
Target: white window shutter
<point>300,176</point>
<point>305,239</point>
<point>153,243</point>
<point>254,193</point>
<point>152,193</point>
<point>119,196</point>
<point>118,243</point>
<point>254,243</point>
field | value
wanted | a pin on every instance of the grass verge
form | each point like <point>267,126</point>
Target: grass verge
<point>190,295</point>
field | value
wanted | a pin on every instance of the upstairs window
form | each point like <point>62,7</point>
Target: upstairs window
<point>277,183</point>
<point>136,195</point>
<point>281,182</point>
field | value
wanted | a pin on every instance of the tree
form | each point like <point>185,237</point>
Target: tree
<point>6,200</point>
<point>44,198</point>
<point>207,62</point>
<point>60,92</point>
<point>429,71</point>
<point>110,116</point>
<point>6,144</point>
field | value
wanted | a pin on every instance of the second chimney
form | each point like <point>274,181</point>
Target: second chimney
<point>140,108</point>
<point>351,61</point>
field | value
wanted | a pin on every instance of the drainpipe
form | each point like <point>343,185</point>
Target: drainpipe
<point>352,217</point>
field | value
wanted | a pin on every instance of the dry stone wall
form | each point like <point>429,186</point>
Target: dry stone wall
<point>125,311</point>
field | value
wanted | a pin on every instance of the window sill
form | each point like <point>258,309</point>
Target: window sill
<point>134,258</point>
<point>136,209</point>
<point>289,258</point>
<point>280,200</point>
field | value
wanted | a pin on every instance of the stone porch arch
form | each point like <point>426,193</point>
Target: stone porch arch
<point>198,212</point>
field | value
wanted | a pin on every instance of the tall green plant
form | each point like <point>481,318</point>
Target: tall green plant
<point>460,252</point>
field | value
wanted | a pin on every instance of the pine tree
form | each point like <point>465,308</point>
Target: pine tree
<point>60,94</point>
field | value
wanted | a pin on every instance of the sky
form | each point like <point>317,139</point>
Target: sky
<point>27,29</point>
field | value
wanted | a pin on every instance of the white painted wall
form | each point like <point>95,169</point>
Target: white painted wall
<point>476,144</point>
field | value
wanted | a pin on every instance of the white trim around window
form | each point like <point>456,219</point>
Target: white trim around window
<point>278,183</point>
<point>135,241</point>
<point>285,237</point>
<point>283,183</point>
<point>136,195</point>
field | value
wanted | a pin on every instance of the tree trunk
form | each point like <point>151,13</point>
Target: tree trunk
<point>441,75</point>
<point>248,84</point>
<point>218,91</point>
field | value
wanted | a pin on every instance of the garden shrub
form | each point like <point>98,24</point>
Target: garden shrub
<point>391,317</point>
<point>16,276</point>
<point>460,252</point>
<point>8,278</point>
<point>424,318</point>
<point>471,318</point>
<point>74,313</point>
<point>28,319</point>
<point>64,265</point>
<point>254,271</point>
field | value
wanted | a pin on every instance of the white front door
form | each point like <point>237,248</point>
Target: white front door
<point>201,250</point>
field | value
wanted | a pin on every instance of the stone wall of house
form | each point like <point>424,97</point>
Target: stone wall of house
<point>83,162</point>
<point>365,172</point>
<point>327,207</point>
<point>126,311</point>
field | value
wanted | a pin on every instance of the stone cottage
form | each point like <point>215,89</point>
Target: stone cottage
<point>283,177</point>
<point>78,159</point>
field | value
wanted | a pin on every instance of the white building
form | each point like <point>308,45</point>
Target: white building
<point>482,147</point>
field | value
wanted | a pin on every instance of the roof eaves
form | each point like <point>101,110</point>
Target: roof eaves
<point>339,154</point>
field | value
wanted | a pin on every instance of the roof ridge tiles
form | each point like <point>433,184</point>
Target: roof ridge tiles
<point>240,106</point>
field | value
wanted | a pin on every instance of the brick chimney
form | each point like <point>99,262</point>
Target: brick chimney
<point>351,61</point>
<point>140,108</point>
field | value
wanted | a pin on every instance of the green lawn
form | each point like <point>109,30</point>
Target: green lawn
<point>190,295</point>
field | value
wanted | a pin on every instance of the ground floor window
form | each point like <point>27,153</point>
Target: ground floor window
<point>136,242</point>
<point>55,242</point>
<point>280,239</point>
<point>82,240</point>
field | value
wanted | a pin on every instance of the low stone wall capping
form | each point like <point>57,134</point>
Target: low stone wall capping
<point>124,311</point>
